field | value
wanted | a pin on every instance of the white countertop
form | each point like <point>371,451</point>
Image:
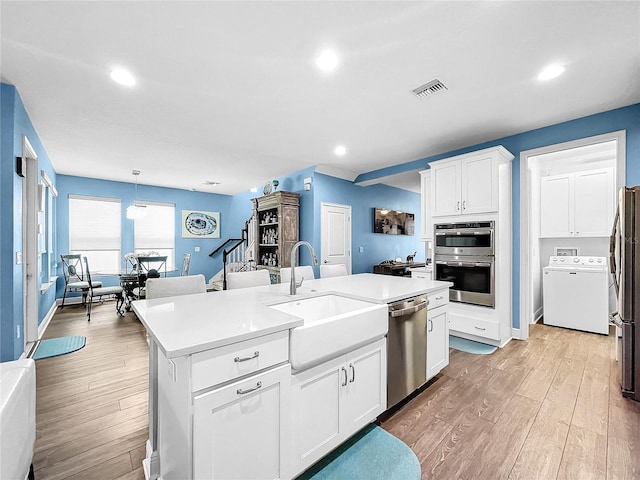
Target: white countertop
<point>193,323</point>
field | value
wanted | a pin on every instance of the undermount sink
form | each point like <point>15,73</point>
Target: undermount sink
<point>333,324</point>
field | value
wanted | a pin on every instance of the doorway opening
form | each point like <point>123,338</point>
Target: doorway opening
<point>543,230</point>
<point>30,245</point>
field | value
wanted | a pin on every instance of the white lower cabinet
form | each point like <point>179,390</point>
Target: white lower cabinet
<point>334,400</point>
<point>437,340</point>
<point>238,428</point>
<point>225,413</point>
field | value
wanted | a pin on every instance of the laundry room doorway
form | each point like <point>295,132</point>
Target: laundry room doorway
<point>568,195</point>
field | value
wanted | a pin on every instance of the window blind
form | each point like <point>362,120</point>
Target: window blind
<point>94,223</point>
<point>156,230</point>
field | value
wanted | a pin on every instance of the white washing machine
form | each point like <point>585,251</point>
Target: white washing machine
<point>576,294</point>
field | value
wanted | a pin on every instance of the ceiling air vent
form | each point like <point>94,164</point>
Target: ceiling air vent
<point>434,86</point>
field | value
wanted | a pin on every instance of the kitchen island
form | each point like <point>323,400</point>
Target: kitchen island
<point>221,379</point>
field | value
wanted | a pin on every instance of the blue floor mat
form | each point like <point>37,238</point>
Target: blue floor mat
<point>372,454</point>
<point>52,347</point>
<point>470,346</point>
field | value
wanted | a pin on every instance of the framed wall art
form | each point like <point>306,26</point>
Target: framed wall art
<point>199,224</point>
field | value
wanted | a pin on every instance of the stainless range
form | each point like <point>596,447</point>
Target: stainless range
<point>465,255</point>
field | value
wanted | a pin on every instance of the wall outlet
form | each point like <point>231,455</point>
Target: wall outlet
<point>18,258</point>
<point>361,249</point>
<point>18,331</point>
<point>197,249</point>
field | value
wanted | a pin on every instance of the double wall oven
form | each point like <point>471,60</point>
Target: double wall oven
<point>464,253</point>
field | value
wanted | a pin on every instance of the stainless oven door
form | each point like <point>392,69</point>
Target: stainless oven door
<point>464,241</point>
<point>473,278</point>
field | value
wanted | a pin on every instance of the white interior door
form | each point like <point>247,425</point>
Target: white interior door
<point>335,234</point>
<point>30,243</point>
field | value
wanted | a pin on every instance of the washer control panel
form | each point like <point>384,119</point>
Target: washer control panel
<point>580,261</point>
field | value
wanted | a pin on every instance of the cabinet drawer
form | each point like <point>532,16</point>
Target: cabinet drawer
<point>481,328</point>
<point>233,361</point>
<point>437,299</point>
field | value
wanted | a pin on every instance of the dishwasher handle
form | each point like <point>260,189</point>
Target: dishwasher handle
<point>410,310</point>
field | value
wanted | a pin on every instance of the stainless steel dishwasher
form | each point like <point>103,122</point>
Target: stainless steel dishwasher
<point>406,348</point>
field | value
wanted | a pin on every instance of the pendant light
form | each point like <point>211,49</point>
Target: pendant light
<point>135,210</point>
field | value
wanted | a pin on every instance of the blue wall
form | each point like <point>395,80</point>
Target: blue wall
<point>626,118</point>
<point>15,124</point>
<point>183,200</point>
<point>376,247</point>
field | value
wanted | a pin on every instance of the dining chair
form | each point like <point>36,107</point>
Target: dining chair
<point>74,280</point>
<point>337,270</point>
<point>186,263</point>
<point>302,272</point>
<point>173,286</point>
<point>251,278</point>
<point>96,290</point>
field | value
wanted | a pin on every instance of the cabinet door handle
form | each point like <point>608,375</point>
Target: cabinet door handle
<point>345,376</point>
<point>458,205</point>
<point>256,354</point>
<point>464,205</point>
<point>479,328</point>
<point>430,323</point>
<point>244,392</point>
<point>353,373</point>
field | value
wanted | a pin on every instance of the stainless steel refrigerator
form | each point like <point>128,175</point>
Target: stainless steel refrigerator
<point>624,261</point>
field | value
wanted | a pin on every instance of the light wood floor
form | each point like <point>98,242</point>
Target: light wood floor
<point>549,408</point>
<point>91,405</point>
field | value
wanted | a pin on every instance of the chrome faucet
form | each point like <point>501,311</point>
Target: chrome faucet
<point>293,285</point>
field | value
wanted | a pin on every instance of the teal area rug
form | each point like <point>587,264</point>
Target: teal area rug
<point>470,346</point>
<point>372,454</point>
<point>52,347</point>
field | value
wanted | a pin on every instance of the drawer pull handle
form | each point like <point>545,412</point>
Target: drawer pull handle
<point>244,392</point>
<point>256,354</point>
<point>439,298</point>
<point>479,328</point>
<point>353,373</point>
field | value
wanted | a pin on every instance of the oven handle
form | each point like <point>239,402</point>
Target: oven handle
<point>463,264</point>
<point>459,232</point>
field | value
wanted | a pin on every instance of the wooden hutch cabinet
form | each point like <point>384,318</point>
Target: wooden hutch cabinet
<point>276,231</point>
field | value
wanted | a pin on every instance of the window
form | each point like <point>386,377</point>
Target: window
<point>95,231</point>
<point>155,232</point>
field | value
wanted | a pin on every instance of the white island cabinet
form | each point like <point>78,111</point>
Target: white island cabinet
<point>223,400</point>
<point>218,407</point>
<point>335,399</point>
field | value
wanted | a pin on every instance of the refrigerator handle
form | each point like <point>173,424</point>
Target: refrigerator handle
<point>613,268</point>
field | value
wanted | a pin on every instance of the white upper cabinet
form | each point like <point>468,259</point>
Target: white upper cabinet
<point>577,204</point>
<point>467,184</point>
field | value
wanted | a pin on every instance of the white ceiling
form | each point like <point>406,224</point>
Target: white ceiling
<point>228,91</point>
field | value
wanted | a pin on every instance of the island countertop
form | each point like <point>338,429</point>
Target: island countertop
<point>188,324</point>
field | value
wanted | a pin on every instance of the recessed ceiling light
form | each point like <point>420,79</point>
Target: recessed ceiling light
<point>551,71</point>
<point>327,60</point>
<point>123,77</point>
<point>211,183</point>
<point>253,189</point>
<point>340,150</point>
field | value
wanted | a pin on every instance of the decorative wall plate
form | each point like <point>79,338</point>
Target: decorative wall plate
<point>197,224</point>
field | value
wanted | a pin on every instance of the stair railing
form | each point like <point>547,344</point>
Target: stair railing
<point>238,253</point>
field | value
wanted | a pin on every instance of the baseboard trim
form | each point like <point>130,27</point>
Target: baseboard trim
<point>515,333</point>
<point>47,319</point>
